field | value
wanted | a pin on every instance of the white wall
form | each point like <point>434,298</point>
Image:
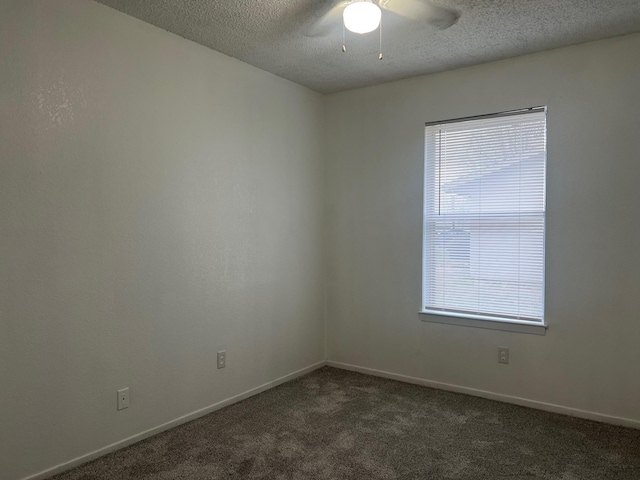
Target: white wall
<point>158,202</point>
<point>590,356</point>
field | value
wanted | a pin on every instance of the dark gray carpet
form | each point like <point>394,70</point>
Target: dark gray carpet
<point>333,424</point>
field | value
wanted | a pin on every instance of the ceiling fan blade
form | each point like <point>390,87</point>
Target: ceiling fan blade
<point>328,21</point>
<point>422,11</point>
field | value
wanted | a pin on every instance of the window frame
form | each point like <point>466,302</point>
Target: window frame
<point>479,320</point>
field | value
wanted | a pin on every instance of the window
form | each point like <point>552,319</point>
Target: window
<point>484,217</point>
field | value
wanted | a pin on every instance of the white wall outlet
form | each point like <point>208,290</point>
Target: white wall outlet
<point>503,355</point>
<point>222,358</point>
<point>123,398</point>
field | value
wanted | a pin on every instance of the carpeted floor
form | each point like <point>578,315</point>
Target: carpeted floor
<point>333,424</point>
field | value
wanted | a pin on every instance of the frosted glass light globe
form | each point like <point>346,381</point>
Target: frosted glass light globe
<point>362,17</point>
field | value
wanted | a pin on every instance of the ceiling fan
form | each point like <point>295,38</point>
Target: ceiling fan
<point>364,16</point>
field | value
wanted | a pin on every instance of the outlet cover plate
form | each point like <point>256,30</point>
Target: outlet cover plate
<point>123,398</point>
<point>503,355</point>
<point>222,358</point>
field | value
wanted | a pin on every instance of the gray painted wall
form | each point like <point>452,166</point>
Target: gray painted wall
<point>589,358</point>
<point>158,202</point>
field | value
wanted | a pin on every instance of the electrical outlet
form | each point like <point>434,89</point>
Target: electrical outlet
<point>222,358</point>
<point>123,398</point>
<point>503,355</point>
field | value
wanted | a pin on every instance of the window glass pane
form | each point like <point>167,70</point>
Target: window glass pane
<point>485,217</point>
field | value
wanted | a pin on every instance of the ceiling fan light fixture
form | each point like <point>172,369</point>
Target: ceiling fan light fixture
<point>362,17</point>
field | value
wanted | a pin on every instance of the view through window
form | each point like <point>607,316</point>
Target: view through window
<point>484,217</point>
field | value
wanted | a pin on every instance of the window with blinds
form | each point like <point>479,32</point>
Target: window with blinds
<point>484,217</point>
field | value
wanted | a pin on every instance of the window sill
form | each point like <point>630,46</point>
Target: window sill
<point>506,326</point>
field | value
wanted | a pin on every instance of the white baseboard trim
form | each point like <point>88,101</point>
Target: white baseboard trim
<point>173,423</point>
<point>549,407</point>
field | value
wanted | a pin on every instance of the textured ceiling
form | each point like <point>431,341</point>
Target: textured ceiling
<point>270,35</point>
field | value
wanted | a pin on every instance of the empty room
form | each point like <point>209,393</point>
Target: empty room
<point>320,239</point>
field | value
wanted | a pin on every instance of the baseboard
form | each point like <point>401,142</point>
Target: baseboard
<point>549,407</point>
<point>173,423</point>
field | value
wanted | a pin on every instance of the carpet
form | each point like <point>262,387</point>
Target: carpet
<point>335,424</point>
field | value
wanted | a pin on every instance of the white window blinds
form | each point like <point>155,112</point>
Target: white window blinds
<point>484,217</point>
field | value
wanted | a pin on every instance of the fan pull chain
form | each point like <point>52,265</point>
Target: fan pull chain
<point>380,56</point>
<point>344,46</point>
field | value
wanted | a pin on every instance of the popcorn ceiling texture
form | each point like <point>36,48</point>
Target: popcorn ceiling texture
<point>269,34</point>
